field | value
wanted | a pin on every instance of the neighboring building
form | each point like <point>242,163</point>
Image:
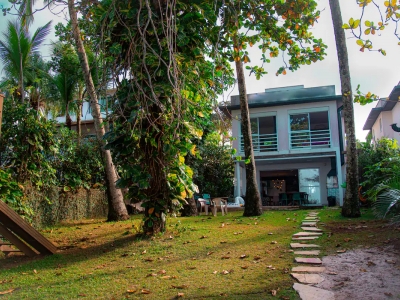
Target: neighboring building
<point>298,141</point>
<point>87,122</point>
<point>385,113</point>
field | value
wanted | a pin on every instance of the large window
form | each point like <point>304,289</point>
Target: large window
<point>264,137</point>
<point>309,130</point>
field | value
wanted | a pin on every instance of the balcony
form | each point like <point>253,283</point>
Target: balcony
<point>310,139</point>
<point>262,143</point>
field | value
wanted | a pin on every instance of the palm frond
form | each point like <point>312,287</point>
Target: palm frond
<point>40,35</point>
<point>387,205</point>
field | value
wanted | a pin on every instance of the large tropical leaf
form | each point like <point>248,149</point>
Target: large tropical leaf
<point>387,205</point>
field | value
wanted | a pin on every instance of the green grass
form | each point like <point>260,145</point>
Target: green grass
<point>106,260</point>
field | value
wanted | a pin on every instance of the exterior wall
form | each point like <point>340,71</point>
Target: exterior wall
<point>282,120</point>
<point>387,118</point>
<point>395,119</point>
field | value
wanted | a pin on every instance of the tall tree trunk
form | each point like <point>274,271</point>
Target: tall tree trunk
<point>117,209</point>
<point>351,206</point>
<point>253,205</point>
<point>79,113</point>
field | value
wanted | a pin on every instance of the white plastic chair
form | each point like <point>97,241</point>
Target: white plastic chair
<point>222,203</point>
<point>203,205</point>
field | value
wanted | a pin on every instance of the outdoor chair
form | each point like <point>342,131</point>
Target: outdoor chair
<point>304,198</point>
<point>296,197</point>
<point>221,203</point>
<point>283,198</point>
<point>203,205</point>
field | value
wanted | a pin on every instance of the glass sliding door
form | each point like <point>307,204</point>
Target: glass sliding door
<point>309,183</point>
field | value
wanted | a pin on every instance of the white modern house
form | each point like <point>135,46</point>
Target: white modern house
<point>380,119</point>
<point>298,140</point>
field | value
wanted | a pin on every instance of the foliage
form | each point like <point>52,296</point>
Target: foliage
<point>12,194</point>
<point>214,170</point>
<point>379,163</point>
<point>391,14</point>
<point>16,51</point>
<point>78,164</point>
<point>29,140</point>
<point>163,108</point>
<point>387,203</point>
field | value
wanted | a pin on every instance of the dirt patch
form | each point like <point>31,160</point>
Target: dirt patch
<point>363,274</point>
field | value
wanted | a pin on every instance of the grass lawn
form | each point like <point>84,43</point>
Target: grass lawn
<point>198,258</point>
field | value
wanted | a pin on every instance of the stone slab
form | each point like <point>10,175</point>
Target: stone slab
<point>311,229</point>
<point>308,260</point>
<point>298,245</point>
<point>307,292</point>
<point>308,269</point>
<point>308,278</point>
<point>307,234</point>
<point>311,218</point>
<point>304,238</point>
<point>305,252</point>
<point>309,224</point>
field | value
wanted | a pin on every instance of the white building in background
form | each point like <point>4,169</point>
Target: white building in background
<point>380,119</point>
<point>298,140</point>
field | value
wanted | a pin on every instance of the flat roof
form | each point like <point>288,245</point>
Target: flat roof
<point>286,96</point>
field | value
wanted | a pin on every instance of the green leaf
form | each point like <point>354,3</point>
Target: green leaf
<point>346,26</point>
<point>368,23</point>
<point>356,24</point>
<point>367,31</point>
<point>360,43</point>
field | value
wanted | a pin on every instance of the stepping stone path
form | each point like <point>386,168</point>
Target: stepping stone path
<point>315,229</point>
<point>306,273</point>
<point>307,234</point>
<point>305,238</point>
<point>309,224</point>
<point>307,252</point>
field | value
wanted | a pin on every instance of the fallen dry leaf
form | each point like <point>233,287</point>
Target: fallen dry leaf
<point>273,292</point>
<point>341,251</point>
<point>215,272</point>
<point>180,295</point>
<point>7,292</point>
<point>166,277</point>
<point>192,268</point>
<point>244,267</point>
<point>145,291</point>
<point>257,257</point>
<point>162,272</point>
<point>274,242</point>
<point>34,271</point>
<point>223,242</point>
<point>151,275</point>
<point>225,257</point>
<point>209,253</point>
<point>180,287</point>
<point>203,237</point>
<point>131,291</point>
<point>149,259</point>
<point>129,267</point>
<point>371,263</point>
<point>243,256</point>
<point>347,239</point>
<point>388,294</point>
<point>225,272</point>
<point>144,252</point>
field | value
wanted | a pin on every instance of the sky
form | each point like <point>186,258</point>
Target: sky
<point>373,71</point>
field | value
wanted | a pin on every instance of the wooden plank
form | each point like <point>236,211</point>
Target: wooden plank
<point>16,241</point>
<point>20,227</point>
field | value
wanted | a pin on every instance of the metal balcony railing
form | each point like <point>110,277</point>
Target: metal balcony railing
<point>262,143</point>
<point>309,139</point>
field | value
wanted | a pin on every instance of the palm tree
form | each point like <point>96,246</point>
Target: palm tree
<point>351,206</point>
<point>17,48</point>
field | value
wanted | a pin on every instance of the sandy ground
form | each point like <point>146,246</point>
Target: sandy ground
<point>363,274</point>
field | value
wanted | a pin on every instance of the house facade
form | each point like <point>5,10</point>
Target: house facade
<point>298,142</point>
<point>380,119</point>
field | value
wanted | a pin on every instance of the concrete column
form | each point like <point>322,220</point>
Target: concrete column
<point>238,178</point>
<point>339,176</point>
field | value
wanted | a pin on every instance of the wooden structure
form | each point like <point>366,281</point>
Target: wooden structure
<point>19,233</point>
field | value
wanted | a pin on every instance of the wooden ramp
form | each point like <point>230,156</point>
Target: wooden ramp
<point>19,233</point>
